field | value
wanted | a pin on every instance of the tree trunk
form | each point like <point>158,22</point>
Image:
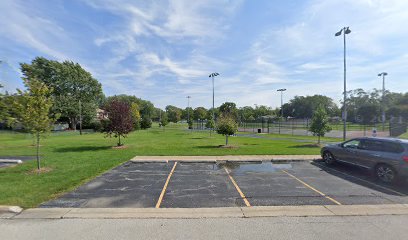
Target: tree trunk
<point>80,127</point>
<point>119,143</point>
<point>226,140</point>
<point>73,123</point>
<point>318,139</point>
<point>38,151</point>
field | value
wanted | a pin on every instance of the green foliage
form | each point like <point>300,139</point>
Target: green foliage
<point>210,124</point>
<point>135,113</point>
<point>164,121</point>
<point>303,107</point>
<point>368,112</point>
<point>226,125</point>
<point>71,86</point>
<point>229,108</point>
<point>32,109</point>
<point>319,125</point>
<point>190,124</point>
<point>146,123</point>
<point>200,113</point>
<point>174,113</point>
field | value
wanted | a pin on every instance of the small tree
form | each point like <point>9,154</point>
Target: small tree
<point>32,109</point>
<point>146,123</point>
<point>210,124</point>
<point>120,121</point>
<point>135,112</point>
<point>190,124</point>
<point>226,125</point>
<point>164,120</point>
<point>320,123</point>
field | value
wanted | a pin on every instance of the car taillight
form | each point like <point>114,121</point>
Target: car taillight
<point>405,158</point>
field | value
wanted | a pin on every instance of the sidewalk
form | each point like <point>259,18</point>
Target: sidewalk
<point>227,158</point>
<point>222,212</point>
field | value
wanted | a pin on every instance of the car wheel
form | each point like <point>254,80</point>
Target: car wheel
<point>385,173</point>
<point>328,158</point>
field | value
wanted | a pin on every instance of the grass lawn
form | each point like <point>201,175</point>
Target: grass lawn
<point>75,159</point>
<point>405,135</point>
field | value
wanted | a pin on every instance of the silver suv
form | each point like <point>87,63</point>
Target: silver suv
<point>386,157</point>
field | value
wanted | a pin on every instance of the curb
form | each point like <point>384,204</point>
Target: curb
<point>9,211</point>
<point>223,212</point>
<point>15,161</point>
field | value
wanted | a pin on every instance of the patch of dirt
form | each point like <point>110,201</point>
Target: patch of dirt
<point>228,146</point>
<point>41,170</point>
<point>120,147</point>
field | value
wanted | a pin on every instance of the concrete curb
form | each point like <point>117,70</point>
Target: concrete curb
<point>9,211</point>
<point>15,161</point>
<point>227,158</point>
<point>224,212</point>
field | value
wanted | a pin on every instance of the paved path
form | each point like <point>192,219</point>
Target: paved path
<point>305,228</point>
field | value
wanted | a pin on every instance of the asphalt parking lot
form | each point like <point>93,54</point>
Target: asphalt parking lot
<point>198,185</point>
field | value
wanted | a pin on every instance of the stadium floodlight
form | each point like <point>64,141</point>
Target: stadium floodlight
<point>212,75</point>
<point>344,30</point>
<point>281,90</point>
<point>383,74</point>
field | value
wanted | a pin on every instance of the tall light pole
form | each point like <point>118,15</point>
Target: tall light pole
<point>344,30</point>
<point>281,90</point>
<point>188,108</point>
<point>212,75</point>
<point>383,74</point>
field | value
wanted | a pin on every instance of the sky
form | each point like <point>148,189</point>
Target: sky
<point>164,51</point>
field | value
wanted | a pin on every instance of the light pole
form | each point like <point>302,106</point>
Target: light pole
<point>281,90</point>
<point>188,108</point>
<point>383,74</point>
<point>344,30</point>
<point>212,75</point>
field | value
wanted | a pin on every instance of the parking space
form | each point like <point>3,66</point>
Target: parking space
<point>198,185</point>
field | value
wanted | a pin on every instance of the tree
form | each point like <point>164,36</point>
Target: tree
<point>164,120</point>
<point>120,121</point>
<point>146,123</point>
<point>320,123</point>
<point>134,111</point>
<point>76,93</point>
<point>229,108</point>
<point>368,112</point>
<point>4,108</point>
<point>226,125</point>
<point>174,113</point>
<point>32,109</point>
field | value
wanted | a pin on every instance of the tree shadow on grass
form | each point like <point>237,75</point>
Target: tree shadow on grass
<point>208,146</point>
<point>312,145</point>
<point>82,148</point>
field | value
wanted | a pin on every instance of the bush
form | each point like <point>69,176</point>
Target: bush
<point>146,123</point>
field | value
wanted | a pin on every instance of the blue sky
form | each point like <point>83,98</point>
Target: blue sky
<point>163,51</point>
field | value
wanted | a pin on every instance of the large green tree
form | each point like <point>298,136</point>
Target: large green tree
<point>174,113</point>
<point>32,108</point>
<point>76,93</point>
<point>304,106</point>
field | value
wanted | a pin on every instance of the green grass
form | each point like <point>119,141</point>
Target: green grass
<point>405,135</point>
<point>75,159</point>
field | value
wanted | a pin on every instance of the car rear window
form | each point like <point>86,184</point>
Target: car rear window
<point>382,146</point>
